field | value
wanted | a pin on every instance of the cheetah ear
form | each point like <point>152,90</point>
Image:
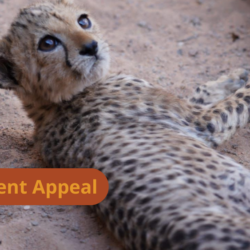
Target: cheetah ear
<point>7,78</point>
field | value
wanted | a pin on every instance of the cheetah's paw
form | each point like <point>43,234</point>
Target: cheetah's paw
<point>214,91</point>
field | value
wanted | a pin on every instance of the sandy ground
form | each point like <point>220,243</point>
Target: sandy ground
<point>177,43</point>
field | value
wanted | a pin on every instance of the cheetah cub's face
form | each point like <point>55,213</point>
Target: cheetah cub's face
<point>52,52</point>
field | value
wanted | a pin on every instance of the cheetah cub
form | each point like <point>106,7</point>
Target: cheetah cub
<point>168,188</point>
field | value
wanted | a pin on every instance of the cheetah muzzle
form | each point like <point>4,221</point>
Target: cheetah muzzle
<point>169,189</point>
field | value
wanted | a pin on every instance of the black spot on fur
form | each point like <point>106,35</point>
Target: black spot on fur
<point>129,84</point>
<point>140,220</point>
<point>152,224</point>
<point>211,128</point>
<point>205,227</point>
<point>133,233</point>
<point>145,200</point>
<point>137,80</point>
<point>62,131</point>
<point>104,159</point>
<point>128,184</point>
<point>129,170</point>
<point>120,213</point>
<point>121,233</point>
<point>232,248</point>
<point>156,180</point>
<point>193,233</point>
<point>156,210</point>
<point>210,166</point>
<point>239,95</point>
<point>200,129</point>
<point>38,76</point>
<point>112,204</point>
<point>129,197</point>
<point>224,117</point>
<point>165,244</point>
<point>214,185</point>
<point>191,246</point>
<point>179,236</point>
<point>229,109</point>
<point>216,111</point>
<point>200,101</point>
<point>154,242</point>
<point>247,99</point>
<point>140,188</point>
<point>240,108</point>
<point>130,162</point>
<point>231,187</point>
<point>130,213</point>
<point>185,123</point>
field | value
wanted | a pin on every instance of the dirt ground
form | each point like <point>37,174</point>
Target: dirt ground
<point>178,43</point>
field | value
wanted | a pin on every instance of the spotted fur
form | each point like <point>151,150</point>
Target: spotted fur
<point>168,188</point>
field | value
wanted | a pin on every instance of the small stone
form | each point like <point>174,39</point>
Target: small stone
<point>180,44</point>
<point>200,1</point>
<point>162,79</point>
<point>44,215</point>
<point>196,21</point>
<point>235,36</point>
<point>27,229</point>
<point>142,24</point>
<point>26,207</point>
<point>154,70</point>
<point>10,214</point>
<point>75,229</point>
<point>82,241</point>
<point>193,52</point>
<point>235,146</point>
<point>34,223</point>
<point>63,230</point>
<point>180,52</point>
<point>60,209</point>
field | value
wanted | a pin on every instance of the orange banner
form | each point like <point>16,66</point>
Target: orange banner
<point>52,186</point>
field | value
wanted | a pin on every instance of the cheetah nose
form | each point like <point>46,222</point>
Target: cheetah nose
<point>89,49</point>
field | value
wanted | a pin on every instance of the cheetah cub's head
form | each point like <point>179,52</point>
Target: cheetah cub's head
<point>52,51</point>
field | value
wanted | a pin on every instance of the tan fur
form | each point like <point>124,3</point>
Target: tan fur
<point>169,189</point>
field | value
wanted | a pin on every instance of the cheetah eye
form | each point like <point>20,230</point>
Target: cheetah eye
<point>84,22</point>
<point>48,43</point>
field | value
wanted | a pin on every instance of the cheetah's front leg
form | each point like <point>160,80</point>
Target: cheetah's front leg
<point>215,91</point>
